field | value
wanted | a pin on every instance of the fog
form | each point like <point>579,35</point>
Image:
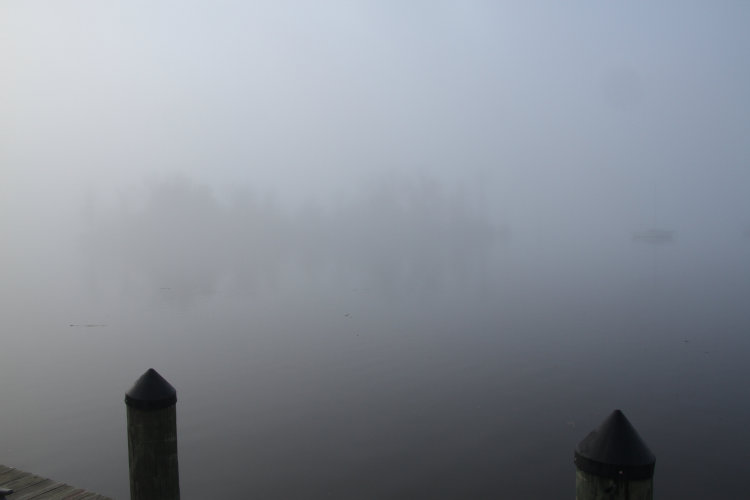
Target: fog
<point>349,231</point>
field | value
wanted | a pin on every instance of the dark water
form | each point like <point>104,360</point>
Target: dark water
<point>474,385</point>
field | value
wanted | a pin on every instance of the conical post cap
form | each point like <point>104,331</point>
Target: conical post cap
<point>615,450</point>
<point>151,392</point>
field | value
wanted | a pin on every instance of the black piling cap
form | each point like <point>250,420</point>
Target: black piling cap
<point>615,450</point>
<point>151,392</point>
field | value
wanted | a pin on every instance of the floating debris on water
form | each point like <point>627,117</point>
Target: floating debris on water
<point>656,236</point>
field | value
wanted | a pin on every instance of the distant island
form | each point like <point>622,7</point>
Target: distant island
<point>654,236</point>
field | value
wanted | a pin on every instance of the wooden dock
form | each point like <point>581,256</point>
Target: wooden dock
<point>28,486</point>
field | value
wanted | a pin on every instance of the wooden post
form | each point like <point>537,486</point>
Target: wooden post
<point>613,463</point>
<point>152,438</point>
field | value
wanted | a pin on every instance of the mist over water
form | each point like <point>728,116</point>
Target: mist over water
<point>397,343</point>
<point>380,250</point>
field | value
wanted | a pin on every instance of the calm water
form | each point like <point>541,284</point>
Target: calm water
<point>470,384</point>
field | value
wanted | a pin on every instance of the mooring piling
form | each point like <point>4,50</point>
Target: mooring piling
<point>614,463</point>
<point>152,438</point>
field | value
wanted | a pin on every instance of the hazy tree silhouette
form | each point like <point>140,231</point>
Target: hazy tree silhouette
<point>393,233</point>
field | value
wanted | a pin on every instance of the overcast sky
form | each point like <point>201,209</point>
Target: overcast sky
<point>578,108</point>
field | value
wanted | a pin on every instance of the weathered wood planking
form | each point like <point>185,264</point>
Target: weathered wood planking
<point>28,486</point>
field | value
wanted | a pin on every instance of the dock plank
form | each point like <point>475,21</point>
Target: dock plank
<point>28,486</point>
<point>36,491</point>
<point>60,493</point>
<point>11,475</point>
<point>23,482</point>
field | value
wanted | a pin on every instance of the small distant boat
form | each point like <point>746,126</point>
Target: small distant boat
<point>657,236</point>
